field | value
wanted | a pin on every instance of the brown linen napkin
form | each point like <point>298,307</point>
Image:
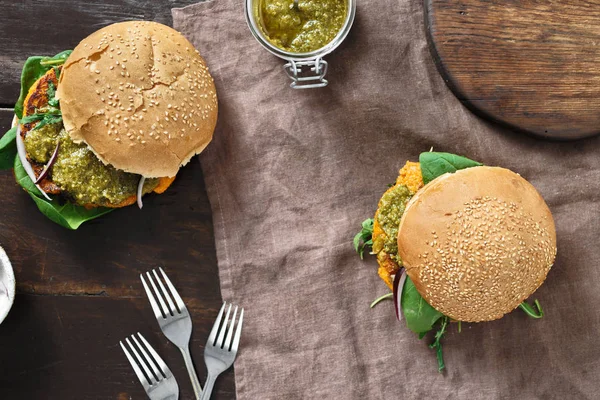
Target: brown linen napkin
<point>290,176</point>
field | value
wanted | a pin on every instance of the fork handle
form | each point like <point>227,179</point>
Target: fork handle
<point>208,386</point>
<point>189,365</point>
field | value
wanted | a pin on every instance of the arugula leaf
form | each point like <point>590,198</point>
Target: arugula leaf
<point>419,315</point>
<point>52,116</point>
<point>437,345</point>
<point>435,164</point>
<point>51,92</point>
<point>68,215</point>
<point>46,115</point>
<point>8,149</point>
<point>364,238</point>
<point>56,60</point>
<point>381,298</point>
<point>33,69</point>
<point>529,310</point>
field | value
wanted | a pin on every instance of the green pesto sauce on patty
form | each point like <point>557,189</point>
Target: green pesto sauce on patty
<point>391,209</point>
<point>310,26</point>
<point>78,172</point>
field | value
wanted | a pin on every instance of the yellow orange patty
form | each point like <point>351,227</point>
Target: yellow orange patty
<point>409,176</point>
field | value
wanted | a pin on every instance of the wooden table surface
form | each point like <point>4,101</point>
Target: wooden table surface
<point>78,292</point>
<point>531,65</point>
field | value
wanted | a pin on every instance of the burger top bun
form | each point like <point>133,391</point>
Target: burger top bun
<point>477,243</point>
<point>140,96</point>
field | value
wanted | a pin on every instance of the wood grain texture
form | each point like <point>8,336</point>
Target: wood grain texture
<point>46,27</point>
<point>530,64</point>
<point>78,292</point>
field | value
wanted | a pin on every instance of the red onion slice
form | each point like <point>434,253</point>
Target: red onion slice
<point>23,157</point>
<point>49,165</point>
<point>399,280</point>
<point>139,192</point>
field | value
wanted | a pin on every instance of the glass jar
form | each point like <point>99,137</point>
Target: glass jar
<point>306,70</point>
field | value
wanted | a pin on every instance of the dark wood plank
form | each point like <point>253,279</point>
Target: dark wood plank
<point>79,291</point>
<point>532,65</point>
<point>46,27</point>
<point>67,347</point>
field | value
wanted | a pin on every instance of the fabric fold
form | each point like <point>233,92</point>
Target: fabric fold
<point>290,176</point>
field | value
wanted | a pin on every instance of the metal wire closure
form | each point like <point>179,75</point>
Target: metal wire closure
<point>307,74</point>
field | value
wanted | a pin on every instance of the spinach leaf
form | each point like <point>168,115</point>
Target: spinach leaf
<point>23,179</point>
<point>364,238</point>
<point>8,149</point>
<point>33,69</point>
<point>67,215</point>
<point>437,164</point>
<point>419,315</point>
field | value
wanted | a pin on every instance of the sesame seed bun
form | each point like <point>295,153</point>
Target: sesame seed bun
<point>140,96</point>
<point>37,98</point>
<point>477,243</point>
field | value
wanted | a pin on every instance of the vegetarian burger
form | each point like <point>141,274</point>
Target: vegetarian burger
<point>461,242</point>
<point>131,104</point>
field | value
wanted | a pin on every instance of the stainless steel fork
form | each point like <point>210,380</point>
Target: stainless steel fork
<point>156,378</point>
<point>220,352</point>
<point>174,321</point>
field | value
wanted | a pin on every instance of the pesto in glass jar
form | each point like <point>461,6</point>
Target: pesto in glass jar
<point>304,28</point>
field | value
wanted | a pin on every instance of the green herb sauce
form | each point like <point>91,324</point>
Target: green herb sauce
<point>77,170</point>
<point>40,143</point>
<point>310,26</point>
<point>393,204</point>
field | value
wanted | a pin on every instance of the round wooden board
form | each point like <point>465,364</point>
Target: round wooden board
<point>532,65</point>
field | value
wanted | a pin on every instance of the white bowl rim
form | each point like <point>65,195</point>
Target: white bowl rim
<point>7,280</point>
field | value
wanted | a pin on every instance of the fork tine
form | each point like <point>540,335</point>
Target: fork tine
<point>149,361</point>
<point>166,294</point>
<point>136,368</point>
<point>165,310</point>
<point>159,361</point>
<point>238,333</point>
<point>221,338</point>
<point>158,313</point>
<point>230,330</point>
<point>141,362</point>
<point>176,296</point>
<point>215,328</point>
